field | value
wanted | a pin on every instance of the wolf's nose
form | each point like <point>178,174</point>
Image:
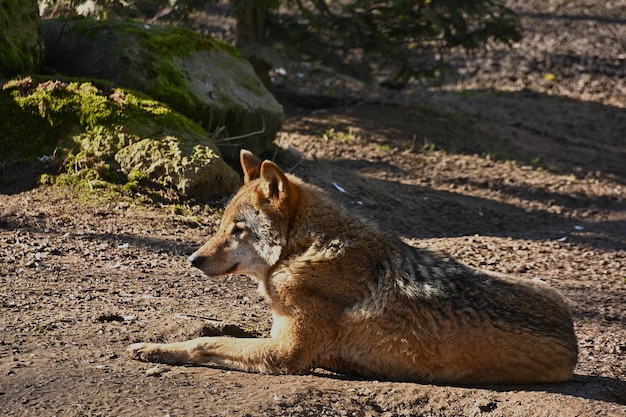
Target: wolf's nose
<point>196,260</point>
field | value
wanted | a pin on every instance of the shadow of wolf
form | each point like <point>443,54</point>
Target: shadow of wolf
<point>351,299</point>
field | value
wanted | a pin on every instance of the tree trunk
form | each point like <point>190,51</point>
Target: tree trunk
<point>251,16</point>
<point>250,34</point>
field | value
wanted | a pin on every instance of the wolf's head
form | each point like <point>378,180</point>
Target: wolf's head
<point>253,230</point>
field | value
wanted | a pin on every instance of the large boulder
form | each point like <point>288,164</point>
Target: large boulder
<point>206,80</point>
<point>21,39</point>
<point>129,134</point>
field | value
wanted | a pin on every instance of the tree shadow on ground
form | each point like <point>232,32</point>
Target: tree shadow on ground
<point>416,211</point>
<point>19,176</point>
<point>590,387</point>
<point>557,134</point>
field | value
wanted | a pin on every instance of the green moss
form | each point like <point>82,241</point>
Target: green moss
<point>152,50</point>
<point>131,187</point>
<point>88,185</point>
<point>192,73</point>
<point>146,110</point>
<point>46,179</point>
<point>38,118</point>
<point>178,210</point>
<point>137,176</point>
<point>78,116</point>
<point>21,48</point>
<point>120,142</point>
<point>169,41</point>
<point>159,46</point>
<point>171,87</point>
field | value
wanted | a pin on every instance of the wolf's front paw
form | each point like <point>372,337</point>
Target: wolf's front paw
<point>146,352</point>
<point>169,353</point>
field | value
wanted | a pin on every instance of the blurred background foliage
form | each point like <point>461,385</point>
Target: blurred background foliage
<point>394,40</point>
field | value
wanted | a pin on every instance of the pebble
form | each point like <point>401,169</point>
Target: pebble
<point>157,371</point>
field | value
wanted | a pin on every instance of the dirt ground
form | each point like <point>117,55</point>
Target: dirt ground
<point>504,168</point>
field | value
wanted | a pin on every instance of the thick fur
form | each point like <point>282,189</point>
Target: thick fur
<point>351,299</point>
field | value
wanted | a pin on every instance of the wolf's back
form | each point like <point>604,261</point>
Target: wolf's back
<point>459,324</point>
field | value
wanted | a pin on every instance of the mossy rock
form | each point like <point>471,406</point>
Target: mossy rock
<point>21,39</point>
<point>126,132</point>
<point>206,80</point>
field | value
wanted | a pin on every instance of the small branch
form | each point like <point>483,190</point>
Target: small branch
<point>193,316</point>
<point>67,18</point>
<point>247,135</point>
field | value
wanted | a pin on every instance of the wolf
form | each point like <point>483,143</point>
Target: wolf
<point>349,298</point>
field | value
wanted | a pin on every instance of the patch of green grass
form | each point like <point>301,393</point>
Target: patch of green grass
<point>178,210</point>
<point>540,166</point>
<point>332,134</point>
<point>493,155</point>
<point>428,145</point>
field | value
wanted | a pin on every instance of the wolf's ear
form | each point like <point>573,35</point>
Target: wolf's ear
<point>250,164</point>
<point>276,187</point>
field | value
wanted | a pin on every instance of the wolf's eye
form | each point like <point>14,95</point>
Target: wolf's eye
<point>238,229</point>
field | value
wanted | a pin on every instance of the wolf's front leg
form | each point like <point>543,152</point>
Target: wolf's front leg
<point>252,355</point>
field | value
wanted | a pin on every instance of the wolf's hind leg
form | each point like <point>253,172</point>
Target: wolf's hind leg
<point>252,355</point>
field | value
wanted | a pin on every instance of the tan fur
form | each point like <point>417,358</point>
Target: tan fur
<point>349,298</point>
